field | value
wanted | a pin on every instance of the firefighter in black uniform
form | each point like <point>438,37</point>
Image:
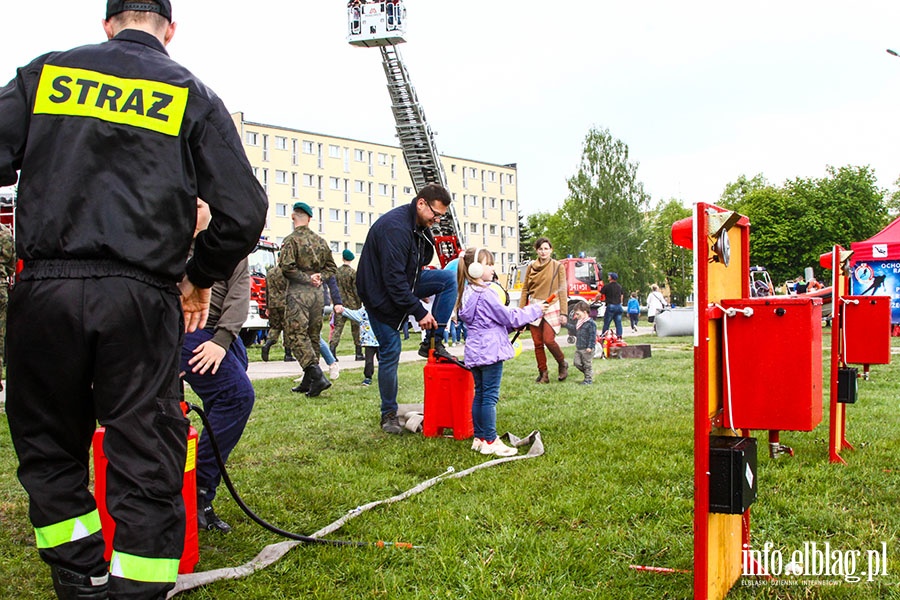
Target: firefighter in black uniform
<point>114,143</point>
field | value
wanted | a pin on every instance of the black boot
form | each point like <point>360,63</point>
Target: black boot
<point>359,353</point>
<point>318,382</point>
<point>333,348</point>
<point>69,585</point>
<point>303,386</point>
<point>265,349</point>
<point>207,517</point>
<point>288,357</point>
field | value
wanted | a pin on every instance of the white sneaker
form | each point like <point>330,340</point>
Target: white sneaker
<point>476,444</point>
<point>334,370</point>
<point>497,448</point>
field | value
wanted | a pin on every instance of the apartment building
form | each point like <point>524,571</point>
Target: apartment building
<point>350,183</point>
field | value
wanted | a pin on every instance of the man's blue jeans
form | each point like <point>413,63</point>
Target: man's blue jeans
<point>613,312</point>
<point>432,282</point>
<point>484,405</point>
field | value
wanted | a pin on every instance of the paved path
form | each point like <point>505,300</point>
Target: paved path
<point>279,368</point>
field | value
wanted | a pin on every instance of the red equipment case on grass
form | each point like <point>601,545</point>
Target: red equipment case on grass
<point>191,554</point>
<point>449,390</point>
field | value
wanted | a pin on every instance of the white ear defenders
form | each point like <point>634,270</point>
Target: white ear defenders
<point>476,269</point>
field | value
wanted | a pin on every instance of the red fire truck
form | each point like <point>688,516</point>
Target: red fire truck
<point>263,257</point>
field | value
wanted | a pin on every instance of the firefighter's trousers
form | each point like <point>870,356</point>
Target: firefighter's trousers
<point>95,341</point>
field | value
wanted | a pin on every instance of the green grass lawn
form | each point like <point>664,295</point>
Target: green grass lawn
<point>613,489</point>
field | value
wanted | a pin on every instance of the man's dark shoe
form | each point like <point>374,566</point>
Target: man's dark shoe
<point>390,423</point>
<point>208,519</point>
<point>359,353</point>
<point>439,350</point>
<point>318,382</point>
<point>70,585</point>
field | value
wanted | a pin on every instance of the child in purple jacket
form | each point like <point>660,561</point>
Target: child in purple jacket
<point>487,345</point>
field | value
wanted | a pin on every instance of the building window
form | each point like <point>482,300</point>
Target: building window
<point>293,185</point>
<point>359,155</point>
<point>335,247</point>
<point>346,159</point>
<point>407,190</point>
<point>309,147</point>
<point>334,215</point>
<point>294,157</point>
<point>309,180</point>
<point>281,210</point>
<point>359,217</point>
<point>281,177</point>
<point>265,147</point>
<point>280,142</point>
<point>359,248</point>
<point>393,167</point>
<point>334,151</point>
<point>473,173</point>
<point>473,227</point>
<point>493,203</point>
<point>453,168</point>
<point>252,138</point>
<point>382,189</point>
<point>473,200</point>
<point>492,176</point>
<point>493,230</point>
<point>359,186</point>
<point>265,180</point>
<point>334,183</point>
<point>382,159</point>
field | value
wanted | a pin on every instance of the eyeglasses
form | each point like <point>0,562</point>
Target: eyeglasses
<point>434,215</point>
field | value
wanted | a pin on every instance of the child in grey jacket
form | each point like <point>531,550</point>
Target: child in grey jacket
<point>585,331</point>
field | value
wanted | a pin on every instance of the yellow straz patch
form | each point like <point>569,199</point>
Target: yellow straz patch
<point>141,103</point>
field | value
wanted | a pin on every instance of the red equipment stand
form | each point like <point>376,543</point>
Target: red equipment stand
<point>860,334</point>
<point>719,239</point>
<point>449,391</point>
<point>191,554</point>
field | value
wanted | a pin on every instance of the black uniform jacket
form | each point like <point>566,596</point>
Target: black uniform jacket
<point>115,142</point>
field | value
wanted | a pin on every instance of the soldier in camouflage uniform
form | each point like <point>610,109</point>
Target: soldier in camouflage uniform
<point>346,282</point>
<point>7,270</point>
<point>306,263</point>
<point>276,296</point>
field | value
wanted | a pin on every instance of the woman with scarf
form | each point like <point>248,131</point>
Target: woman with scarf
<point>544,278</point>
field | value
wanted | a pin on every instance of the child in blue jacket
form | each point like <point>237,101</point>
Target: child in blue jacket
<point>634,310</point>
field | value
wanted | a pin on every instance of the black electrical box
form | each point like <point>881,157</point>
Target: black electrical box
<point>847,388</point>
<point>732,474</point>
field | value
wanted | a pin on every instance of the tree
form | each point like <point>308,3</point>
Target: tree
<point>791,226</point>
<point>603,214</point>
<point>670,262</point>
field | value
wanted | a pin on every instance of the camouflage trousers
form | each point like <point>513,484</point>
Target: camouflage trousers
<point>339,321</point>
<point>4,301</point>
<point>303,323</point>
<point>276,325</point>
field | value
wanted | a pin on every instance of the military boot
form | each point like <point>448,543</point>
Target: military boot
<point>288,357</point>
<point>303,386</point>
<point>359,353</point>
<point>265,349</point>
<point>318,382</point>
<point>70,585</point>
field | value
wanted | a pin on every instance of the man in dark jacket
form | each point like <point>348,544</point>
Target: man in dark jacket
<point>391,284</point>
<point>113,143</point>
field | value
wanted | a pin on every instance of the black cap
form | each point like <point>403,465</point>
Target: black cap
<point>163,7</point>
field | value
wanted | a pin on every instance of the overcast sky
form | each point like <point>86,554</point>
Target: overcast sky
<point>700,91</point>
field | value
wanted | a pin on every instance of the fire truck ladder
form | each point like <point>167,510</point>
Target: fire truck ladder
<point>419,150</point>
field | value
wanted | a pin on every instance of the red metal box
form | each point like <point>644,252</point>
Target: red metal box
<point>191,554</point>
<point>867,330</point>
<point>449,390</point>
<point>772,364</point>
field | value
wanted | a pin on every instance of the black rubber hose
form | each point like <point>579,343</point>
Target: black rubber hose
<point>237,497</point>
